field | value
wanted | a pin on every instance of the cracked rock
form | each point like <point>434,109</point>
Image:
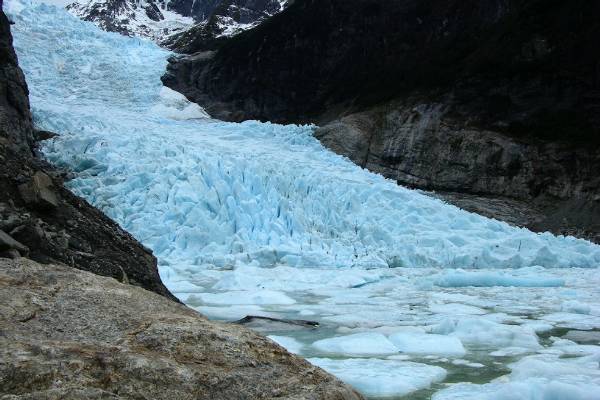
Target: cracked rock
<point>39,192</point>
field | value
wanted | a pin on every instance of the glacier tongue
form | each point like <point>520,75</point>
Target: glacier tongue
<point>259,218</point>
<point>208,192</point>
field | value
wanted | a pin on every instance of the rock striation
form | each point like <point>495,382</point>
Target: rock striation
<point>70,334</point>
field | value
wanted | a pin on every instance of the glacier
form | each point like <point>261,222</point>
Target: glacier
<point>258,218</point>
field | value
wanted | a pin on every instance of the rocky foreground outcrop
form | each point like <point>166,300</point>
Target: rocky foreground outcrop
<point>487,99</point>
<point>70,334</point>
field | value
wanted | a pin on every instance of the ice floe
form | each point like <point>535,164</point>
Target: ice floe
<point>383,378</point>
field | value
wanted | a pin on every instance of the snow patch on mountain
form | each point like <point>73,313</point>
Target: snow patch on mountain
<point>162,19</point>
<point>145,18</point>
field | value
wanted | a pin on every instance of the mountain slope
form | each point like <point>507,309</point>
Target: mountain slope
<point>228,18</point>
<point>146,18</point>
<point>161,20</point>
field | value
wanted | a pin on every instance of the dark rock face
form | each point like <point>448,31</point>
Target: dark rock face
<point>200,10</point>
<point>47,220</point>
<point>16,126</point>
<point>524,67</point>
<point>492,99</point>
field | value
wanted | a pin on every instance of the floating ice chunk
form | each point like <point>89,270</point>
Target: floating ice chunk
<point>510,352</point>
<point>289,343</point>
<point>583,336</point>
<point>382,378</point>
<point>257,297</point>
<point>455,309</point>
<point>399,357</point>
<point>572,320</point>
<point>415,343</point>
<point>538,326</point>
<point>542,377</point>
<point>574,306</point>
<point>467,363</point>
<point>528,389</point>
<point>185,287</point>
<point>482,333</point>
<point>568,347</point>
<point>358,344</point>
<point>458,278</point>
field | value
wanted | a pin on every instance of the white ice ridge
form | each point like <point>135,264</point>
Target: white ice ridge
<point>207,192</point>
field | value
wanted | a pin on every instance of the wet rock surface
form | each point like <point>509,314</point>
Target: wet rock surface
<point>51,223</point>
<point>70,334</point>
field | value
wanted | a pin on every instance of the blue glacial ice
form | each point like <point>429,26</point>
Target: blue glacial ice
<point>257,218</point>
<point>202,191</point>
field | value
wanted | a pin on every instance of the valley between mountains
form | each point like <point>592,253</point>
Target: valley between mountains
<point>257,199</point>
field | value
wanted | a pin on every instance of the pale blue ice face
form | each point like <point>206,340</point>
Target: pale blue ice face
<point>258,218</point>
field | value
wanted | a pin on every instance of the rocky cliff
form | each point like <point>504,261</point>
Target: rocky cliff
<point>489,99</point>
